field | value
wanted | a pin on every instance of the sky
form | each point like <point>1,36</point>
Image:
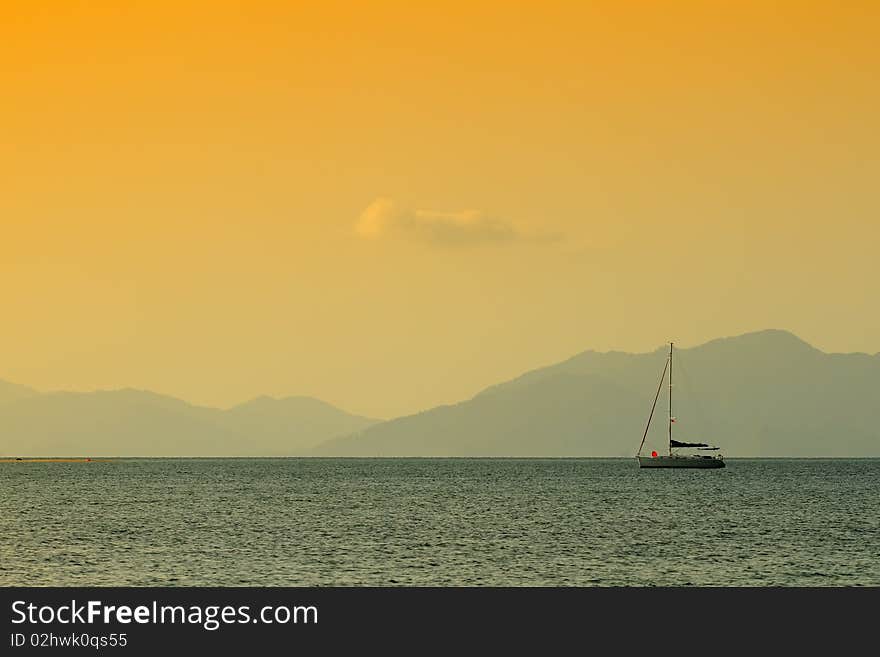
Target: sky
<point>392,205</point>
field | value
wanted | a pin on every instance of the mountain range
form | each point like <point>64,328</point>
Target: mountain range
<point>142,423</point>
<point>766,393</point>
<point>761,394</point>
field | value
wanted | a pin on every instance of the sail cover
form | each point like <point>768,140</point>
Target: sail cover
<point>675,443</point>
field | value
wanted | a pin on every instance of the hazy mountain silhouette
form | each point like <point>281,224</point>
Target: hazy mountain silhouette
<point>13,392</point>
<point>140,423</point>
<point>760,394</point>
<point>305,420</point>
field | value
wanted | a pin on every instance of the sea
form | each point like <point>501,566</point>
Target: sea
<point>439,522</point>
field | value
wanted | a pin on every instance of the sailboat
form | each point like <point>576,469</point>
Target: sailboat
<point>674,459</point>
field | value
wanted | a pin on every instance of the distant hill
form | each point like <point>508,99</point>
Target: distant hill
<point>12,392</point>
<point>140,423</point>
<point>760,394</point>
<point>305,421</point>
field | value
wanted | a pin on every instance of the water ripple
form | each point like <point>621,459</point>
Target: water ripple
<point>418,522</point>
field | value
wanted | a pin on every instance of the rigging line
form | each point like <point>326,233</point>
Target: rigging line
<point>654,406</point>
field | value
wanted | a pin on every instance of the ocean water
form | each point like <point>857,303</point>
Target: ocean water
<point>447,522</point>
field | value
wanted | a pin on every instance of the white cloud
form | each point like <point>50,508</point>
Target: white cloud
<point>376,219</point>
<point>384,217</point>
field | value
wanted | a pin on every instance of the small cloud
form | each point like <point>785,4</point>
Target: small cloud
<point>384,216</point>
<point>376,219</point>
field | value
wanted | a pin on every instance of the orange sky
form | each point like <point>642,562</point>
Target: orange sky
<point>391,206</point>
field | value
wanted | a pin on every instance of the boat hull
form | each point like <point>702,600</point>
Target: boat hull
<point>699,462</point>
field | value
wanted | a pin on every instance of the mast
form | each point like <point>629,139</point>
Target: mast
<point>670,399</point>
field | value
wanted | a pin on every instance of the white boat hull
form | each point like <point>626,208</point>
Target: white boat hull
<point>702,462</point>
